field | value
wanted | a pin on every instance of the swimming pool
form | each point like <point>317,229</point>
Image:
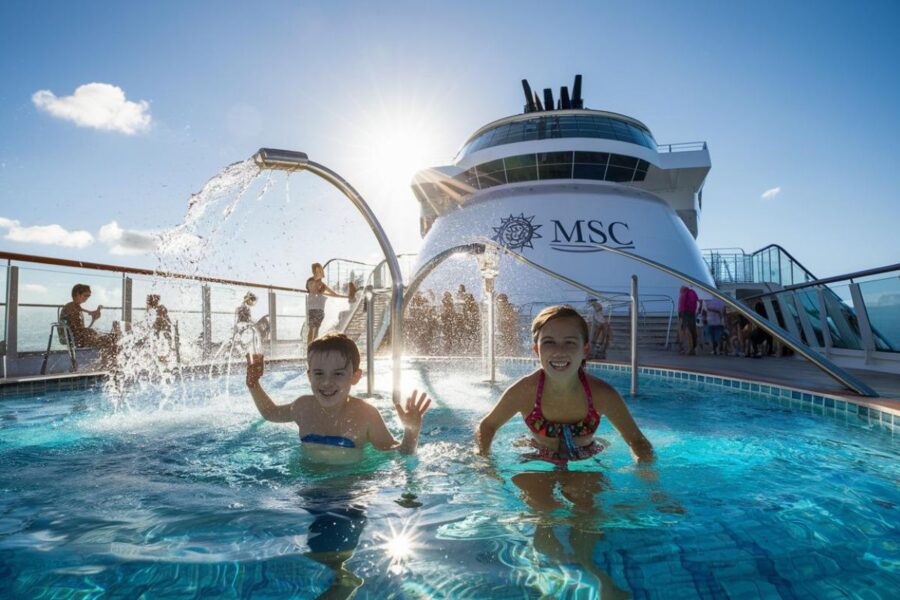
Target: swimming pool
<point>751,497</point>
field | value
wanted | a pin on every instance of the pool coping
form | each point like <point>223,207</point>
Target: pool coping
<point>878,411</point>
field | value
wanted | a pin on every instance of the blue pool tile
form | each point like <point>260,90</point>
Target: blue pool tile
<point>795,395</point>
<point>818,400</point>
<point>754,387</point>
<point>807,397</point>
<point>862,411</point>
<point>745,385</point>
<point>829,402</point>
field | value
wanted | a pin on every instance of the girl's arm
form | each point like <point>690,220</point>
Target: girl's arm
<point>268,409</point>
<point>505,409</point>
<point>618,414</point>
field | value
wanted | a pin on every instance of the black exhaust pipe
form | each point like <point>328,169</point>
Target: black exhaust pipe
<point>577,102</point>
<point>529,97</point>
<point>564,98</point>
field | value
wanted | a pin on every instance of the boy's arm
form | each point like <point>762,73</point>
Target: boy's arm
<point>618,414</point>
<point>503,411</point>
<point>268,409</point>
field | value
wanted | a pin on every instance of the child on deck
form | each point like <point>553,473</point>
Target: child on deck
<point>335,426</point>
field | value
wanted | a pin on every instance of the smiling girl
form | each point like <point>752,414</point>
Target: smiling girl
<point>560,403</point>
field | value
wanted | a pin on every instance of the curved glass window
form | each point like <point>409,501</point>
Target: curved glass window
<point>561,126</point>
<point>601,166</point>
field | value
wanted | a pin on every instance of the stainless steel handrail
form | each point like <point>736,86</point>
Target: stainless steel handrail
<point>287,160</point>
<point>834,371</point>
<point>836,279</point>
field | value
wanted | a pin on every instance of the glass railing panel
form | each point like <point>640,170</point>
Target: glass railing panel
<point>810,305</point>
<point>843,324</point>
<point>224,303</point>
<point>789,311</point>
<point>182,299</point>
<point>882,299</point>
<point>3,277</point>
<point>291,315</point>
<point>43,290</point>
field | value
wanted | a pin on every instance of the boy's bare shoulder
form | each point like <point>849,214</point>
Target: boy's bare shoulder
<point>361,406</point>
<point>302,403</point>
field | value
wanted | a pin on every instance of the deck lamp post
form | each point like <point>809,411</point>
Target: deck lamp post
<point>290,160</point>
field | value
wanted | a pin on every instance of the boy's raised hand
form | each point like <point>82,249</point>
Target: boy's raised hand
<point>411,415</point>
<point>255,366</point>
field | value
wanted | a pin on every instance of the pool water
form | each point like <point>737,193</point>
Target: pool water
<point>749,497</point>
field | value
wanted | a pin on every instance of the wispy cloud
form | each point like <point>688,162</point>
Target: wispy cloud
<point>771,193</point>
<point>128,241</point>
<point>97,105</point>
<point>35,288</point>
<point>51,235</point>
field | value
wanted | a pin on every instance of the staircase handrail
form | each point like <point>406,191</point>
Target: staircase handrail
<point>834,371</point>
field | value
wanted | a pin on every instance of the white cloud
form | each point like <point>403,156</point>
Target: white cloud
<point>97,105</point>
<point>35,288</point>
<point>127,241</point>
<point>52,235</point>
<point>770,194</point>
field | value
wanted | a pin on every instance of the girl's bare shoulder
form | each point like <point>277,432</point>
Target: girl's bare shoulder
<point>524,387</point>
<point>600,386</point>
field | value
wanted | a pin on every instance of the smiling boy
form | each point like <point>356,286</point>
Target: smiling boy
<point>335,426</point>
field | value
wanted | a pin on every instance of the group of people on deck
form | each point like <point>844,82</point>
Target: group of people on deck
<point>709,324</point>
<point>454,325</point>
<point>72,314</point>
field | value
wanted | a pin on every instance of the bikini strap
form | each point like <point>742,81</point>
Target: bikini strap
<point>540,389</point>
<point>587,388</point>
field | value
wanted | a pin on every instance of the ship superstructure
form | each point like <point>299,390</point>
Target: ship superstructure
<point>558,178</point>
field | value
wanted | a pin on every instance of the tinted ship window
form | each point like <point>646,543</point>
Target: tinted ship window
<point>561,126</point>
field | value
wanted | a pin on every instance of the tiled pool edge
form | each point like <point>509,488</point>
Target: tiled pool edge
<point>840,404</point>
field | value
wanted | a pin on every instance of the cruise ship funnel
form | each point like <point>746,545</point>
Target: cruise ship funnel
<point>284,160</point>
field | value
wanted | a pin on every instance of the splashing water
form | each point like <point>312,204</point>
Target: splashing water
<point>184,248</point>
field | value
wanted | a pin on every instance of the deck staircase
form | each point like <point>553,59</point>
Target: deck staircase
<point>355,328</point>
<point>652,332</point>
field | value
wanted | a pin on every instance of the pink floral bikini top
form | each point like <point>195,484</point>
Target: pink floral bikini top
<point>541,426</point>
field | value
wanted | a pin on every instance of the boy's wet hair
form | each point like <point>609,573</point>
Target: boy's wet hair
<point>80,288</point>
<point>336,342</point>
<point>560,311</point>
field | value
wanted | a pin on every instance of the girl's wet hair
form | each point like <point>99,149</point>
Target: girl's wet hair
<point>560,311</point>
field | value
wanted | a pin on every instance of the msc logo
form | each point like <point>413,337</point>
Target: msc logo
<point>516,232</point>
<point>580,234</point>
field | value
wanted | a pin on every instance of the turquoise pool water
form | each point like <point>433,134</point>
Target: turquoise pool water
<point>750,497</point>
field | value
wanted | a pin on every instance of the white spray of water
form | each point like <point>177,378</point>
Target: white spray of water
<point>148,363</point>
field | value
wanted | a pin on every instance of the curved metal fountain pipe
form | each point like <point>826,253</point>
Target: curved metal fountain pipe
<point>289,160</point>
<point>795,344</point>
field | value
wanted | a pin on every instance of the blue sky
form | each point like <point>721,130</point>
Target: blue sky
<point>795,96</point>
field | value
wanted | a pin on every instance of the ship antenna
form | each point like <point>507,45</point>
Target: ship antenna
<point>529,97</point>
